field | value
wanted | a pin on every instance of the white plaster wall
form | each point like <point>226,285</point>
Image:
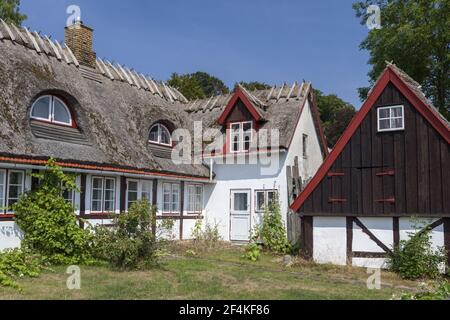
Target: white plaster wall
<point>330,240</point>
<point>380,227</point>
<point>241,177</point>
<point>376,263</point>
<point>10,235</point>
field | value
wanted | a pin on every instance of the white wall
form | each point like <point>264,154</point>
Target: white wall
<point>249,177</point>
<point>330,240</point>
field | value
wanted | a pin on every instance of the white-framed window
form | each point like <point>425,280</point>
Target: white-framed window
<point>194,198</point>
<point>264,198</point>
<point>241,136</point>
<point>51,109</point>
<point>69,196</point>
<point>159,134</point>
<point>171,198</point>
<point>138,190</point>
<point>305,145</point>
<point>391,118</point>
<point>103,194</point>
<point>16,182</point>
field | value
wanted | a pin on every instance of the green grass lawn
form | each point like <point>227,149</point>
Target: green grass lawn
<point>216,274</point>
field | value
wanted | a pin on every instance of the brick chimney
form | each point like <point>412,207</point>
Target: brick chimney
<point>79,39</point>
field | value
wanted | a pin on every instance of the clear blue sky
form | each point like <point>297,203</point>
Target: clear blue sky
<point>235,40</point>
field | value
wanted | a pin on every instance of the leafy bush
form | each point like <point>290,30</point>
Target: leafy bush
<point>252,252</point>
<point>415,258</point>
<point>130,244</point>
<point>271,232</point>
<point>18,263</point>
<point>49,222</point>
<point>433,291</point>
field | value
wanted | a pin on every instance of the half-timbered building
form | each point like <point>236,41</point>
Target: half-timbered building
<point>113,127</point>
<point>387,177</point>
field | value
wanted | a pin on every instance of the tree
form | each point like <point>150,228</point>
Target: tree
<point>198,85</point>
<point>188,85</point>
<point>335,115</point>
<point>415,35</point>
<point>9,11</point>
<point>253,85</point>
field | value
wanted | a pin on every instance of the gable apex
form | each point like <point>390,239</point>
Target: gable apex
<point>240,95</point>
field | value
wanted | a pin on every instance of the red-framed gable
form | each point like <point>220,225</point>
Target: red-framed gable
<point>239,95</point>
<point>388,76</point>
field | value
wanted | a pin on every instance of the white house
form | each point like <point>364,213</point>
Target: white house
<point>114,127</point>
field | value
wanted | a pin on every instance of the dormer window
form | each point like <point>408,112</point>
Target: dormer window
<point>51,109</point>
<point>159,134</point>
<point>240,136</point>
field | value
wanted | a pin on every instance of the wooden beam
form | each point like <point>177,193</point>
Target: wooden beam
<point>182,189</point>
<point>123,194</point>
<point>25,41</point>
<point>54,48</point>
<point>372,236</point>
<point>307,238</point>
<point>72,56</point>
<point>349,227</point>
<point>11,35</point>
<point>58,45</point>
<point>33,41</point>
<point>396,230</point>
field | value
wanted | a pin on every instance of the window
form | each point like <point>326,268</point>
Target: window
<point>194,198</point>
<point>391,118</point>
<point>51,109</point>
<point>160,134</point>
<point>138,190</point>
<point>12,184</point>
<point>241,136</point>
<point>264,199</point>
<point>305,145</point>
<point>69,196</point>
<point>103,194</point>
<point>171,198</point>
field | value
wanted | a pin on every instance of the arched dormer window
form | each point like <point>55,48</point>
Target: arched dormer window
<point>51,109</point>
<point>159,134</point>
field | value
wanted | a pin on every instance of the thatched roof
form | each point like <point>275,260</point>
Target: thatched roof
<point>114,106</point>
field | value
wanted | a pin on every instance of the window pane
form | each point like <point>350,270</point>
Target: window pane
<point>247,142</point>
<point>15,178</point>
<point>68,195</point>
<point>96,206</point>
<point>260,201</point>
<point>97,194</point>
<point>396,112</point>
<point>109,184</point>
<point>247,126</point>
<point>240,201</point>
<point>41,108</point>
<point>385,113</point>
<point>146,190</point>
<point>397,123</point>
<point>235,127</point>
<point>385,124</point>
<point>60,112</point>
<point>109,206</point>
<point>165,136</point>
<point>97,183</point>
<point>271,197</point>
<point>154,134</point>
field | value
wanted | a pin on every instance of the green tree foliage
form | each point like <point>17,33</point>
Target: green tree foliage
<point>198,85</point>
<point>9,11</point>
<point>415,35</point>
<point>252,86</point>
<point>49,222</point>
<point>17,263</point>
<point>335,114</point>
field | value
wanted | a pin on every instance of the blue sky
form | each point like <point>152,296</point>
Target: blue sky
<point>246,40</point>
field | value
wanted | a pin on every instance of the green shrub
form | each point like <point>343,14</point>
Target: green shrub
<point>130,244</point>
<point>415,258</point>
<point>207,237</point>
<point>434,291</point>
<point>252,252</point>
<point>49,222</point>
<point>271,232</point>
<point>16,264</point>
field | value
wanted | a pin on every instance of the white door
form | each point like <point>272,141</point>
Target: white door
<point>240,217</point>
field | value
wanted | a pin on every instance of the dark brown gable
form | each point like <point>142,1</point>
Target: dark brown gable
<point>239,113</point>
<point>398,173</point>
